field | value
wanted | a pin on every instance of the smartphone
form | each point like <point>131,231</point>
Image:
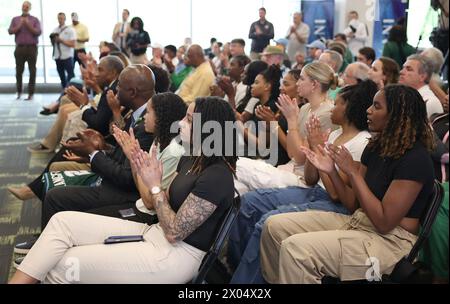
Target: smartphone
<point>126,213</point>
<point>124,239</point>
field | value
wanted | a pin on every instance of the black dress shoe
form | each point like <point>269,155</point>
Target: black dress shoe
<point>18,261</point>
<point>46,112</point>
<point>25,247</point>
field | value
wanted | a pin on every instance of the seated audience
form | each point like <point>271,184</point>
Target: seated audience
<point>350,113</point>
<point>190,215</point>
<point>163,110</point>
<point>391,187</point>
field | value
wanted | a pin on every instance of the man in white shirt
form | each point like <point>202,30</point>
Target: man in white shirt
<point>416,73</point>
<point>121,30</point>
<point>356,32</point>
<point>297,35</point>
<point>63,40</point>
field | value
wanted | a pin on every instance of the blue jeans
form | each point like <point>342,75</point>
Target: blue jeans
<point>63,66</point>
<point>257,206</point>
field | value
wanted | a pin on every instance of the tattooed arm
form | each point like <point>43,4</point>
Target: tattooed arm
<point>178,226</point>
<point>192,213</point>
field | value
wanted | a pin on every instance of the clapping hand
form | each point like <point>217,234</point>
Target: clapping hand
<point>289,108</point>
<point>265,114</point>
<point>77,97</point>
<point>148,167</point>
<point>70,156</point>
<point>343,159</point>
<point>320,159</point>
<point>89,141</point>
<point>113,102</point>
<point>315,135</point>
<point>127,142</point>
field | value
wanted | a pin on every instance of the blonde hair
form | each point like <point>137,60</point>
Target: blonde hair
<point>323,74</point>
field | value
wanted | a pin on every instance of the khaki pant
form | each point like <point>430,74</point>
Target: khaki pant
<point>71,250</point>
<point>54,136</point>
<point>69,166</point>
<point>304,247</point>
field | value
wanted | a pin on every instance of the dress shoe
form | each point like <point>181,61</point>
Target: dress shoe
<point>23,193</point>
<point>25,247</point>
<point>18,261</point>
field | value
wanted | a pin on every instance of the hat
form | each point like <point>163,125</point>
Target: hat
<point>272,50</point>
<point>157,46</point>
<point>74,17</point>
<point>317,44</point>
<point>282,41</point>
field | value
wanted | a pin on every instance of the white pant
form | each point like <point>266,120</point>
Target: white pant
<point>257,174</point>
<point>71,250</point>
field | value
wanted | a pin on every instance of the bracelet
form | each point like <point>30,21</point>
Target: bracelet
<point>293,129</point>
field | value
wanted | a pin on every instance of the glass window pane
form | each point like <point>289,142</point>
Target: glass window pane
<point>98,17</point>
<point>223,20</point>
<point>11,9</point>
<point>167,22</point>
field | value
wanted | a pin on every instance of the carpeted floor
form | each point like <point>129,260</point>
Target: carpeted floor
<point>20,125</point>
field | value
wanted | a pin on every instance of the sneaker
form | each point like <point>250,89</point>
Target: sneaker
<point>29,98</point>
<point>38,148</point>
<point>18,261</point>
<point>23,193</point>
<point>25,247</point>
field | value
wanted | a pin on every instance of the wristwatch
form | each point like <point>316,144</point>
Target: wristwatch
<point>155,190</point>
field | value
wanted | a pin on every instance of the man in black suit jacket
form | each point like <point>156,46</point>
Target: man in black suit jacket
<point>106,78</point>
<point>135,88</point>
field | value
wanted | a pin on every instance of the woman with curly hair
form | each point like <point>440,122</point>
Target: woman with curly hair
<point>190,213</point>
<point>163,110</point>
<point>391,188</point>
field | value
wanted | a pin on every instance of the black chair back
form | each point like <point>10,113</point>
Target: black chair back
<point>221,237</point>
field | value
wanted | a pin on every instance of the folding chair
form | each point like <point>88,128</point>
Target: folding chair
<point>222,235</point>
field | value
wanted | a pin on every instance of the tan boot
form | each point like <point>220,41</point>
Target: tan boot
<point>23,193</point>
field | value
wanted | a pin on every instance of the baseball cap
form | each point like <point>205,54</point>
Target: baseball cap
<point>74,17</point>
<point>282,41</point>
<point>272,50</point>
<point>317,44</point>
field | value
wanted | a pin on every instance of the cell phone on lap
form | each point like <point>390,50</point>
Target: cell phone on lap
<point>124,239</point>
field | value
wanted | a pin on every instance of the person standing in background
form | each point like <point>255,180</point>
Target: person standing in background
<point>298,35</point>
<point>138,41</point>
<point>121,31</point>
<point>63,40</point>
<point>27,30</point>
<point>261,32</point>
<point>82,37</point>
<point>356,32</point>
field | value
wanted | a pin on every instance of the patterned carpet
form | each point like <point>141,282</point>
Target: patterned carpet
<point>20,125</point>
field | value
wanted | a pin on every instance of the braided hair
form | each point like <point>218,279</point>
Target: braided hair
<point>407,123</point>
<point>217,110</point>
